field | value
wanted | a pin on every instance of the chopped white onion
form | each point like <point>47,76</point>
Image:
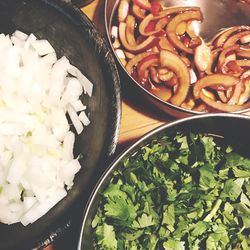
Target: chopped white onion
<point>37,164</point>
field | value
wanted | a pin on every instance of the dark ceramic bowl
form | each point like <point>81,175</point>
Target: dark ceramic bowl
<point>233,127</point>
<point>217,15</point>
<point>72,34</point>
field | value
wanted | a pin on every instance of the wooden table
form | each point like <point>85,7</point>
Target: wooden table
<point>138,117</point>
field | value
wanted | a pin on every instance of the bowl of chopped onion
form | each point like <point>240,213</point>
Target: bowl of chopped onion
<point>60,113</point>
<point>185,57</point>
<point>184,185</point>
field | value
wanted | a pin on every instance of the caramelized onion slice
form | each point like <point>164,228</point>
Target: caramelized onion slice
<point>144,4</point>
<point>138,12</point>
<point>244,52</point>
<point>224,54</point>
<point>130,30</point>
<point>144,64</point>
<point>174,10</point>
<point>173,24</point>
<point>136,59</point>
<point>175,64</point>
<point>222,37</point>
<point>162,92</point>
<point>123,10</point>
<point>150,42</point>
<point>243,63</point>
<point>211,80</point>
<point>223,106</point>
<point>232,40</point>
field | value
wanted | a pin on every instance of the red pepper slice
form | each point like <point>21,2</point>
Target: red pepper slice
<point>175,64</point>
<point>155,7</point>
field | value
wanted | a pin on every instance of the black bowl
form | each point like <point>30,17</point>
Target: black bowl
<point>233,127</point>
<point>72,34</point>
<point>217,15</point>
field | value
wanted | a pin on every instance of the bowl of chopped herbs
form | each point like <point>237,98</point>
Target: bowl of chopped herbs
<point>185,185</point>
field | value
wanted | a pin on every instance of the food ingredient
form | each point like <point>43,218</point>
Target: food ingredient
<point>181,191</point>
<point>37,93</point>
<point>152,40</point>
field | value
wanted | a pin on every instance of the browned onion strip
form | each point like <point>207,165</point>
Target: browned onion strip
<point>174,10</point>
<point>223,55</point>
<point>232,40</point>
<point>222,96</point>
<point>211,80</point>
<point>243,63</point>
<point>175,64</point>
<point>171,28</point>
<point>222,37</point>
<point>130,30</point>
<point>138,12</point>
<point>222,106</point>
<point>143,46</point>
<point>244,52</point>
<point>134,61</point>
<point>236,94</point>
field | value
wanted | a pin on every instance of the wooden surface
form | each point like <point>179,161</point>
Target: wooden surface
<point>138,117</point>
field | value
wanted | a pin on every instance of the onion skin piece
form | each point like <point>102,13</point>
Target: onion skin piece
<point>173,24</point>
<point>136,59</point>
<point>211,80</point>
<point>150,42</point>
<point>175,64</point>
<point>223,106</point>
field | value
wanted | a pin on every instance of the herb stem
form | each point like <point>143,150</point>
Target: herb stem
<point>213,211</point>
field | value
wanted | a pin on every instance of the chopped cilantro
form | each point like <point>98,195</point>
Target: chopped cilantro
<point>178,192</point>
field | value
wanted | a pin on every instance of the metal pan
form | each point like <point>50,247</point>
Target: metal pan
<point>217,15</point>
<point>72,34</point>
<point>226,125</point>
